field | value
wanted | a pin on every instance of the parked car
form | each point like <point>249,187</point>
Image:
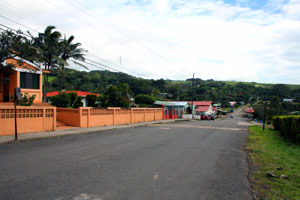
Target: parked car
<point>206,117</point>
<point>231,116</point>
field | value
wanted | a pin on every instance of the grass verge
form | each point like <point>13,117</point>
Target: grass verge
<point>269,152</point>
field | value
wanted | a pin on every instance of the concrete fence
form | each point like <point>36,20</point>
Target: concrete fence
<point>29,119</point>
<point>89,117</point>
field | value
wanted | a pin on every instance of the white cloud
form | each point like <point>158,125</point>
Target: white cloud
<point>173,39</point>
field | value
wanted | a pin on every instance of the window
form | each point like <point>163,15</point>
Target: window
<point>29,80</point>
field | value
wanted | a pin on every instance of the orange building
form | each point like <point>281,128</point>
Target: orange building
<point>24,75</point>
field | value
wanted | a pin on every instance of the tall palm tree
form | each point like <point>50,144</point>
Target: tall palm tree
<point>47,45</point>
<point>69,50</point>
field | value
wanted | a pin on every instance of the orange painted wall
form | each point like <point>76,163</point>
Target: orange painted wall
<point>122,116</point>
<point>29,119</point>
<point>37,92</point>
<point>101,120</point>
<point>1,87</point>
<point>89,117</point>
<point>68,116</point>
<point>15,82</point>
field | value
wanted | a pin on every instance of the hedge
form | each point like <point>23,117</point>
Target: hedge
<point>288,127</point>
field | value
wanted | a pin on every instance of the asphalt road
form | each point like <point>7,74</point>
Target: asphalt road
<point>183,160</point>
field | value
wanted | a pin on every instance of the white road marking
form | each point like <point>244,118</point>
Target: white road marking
<point>86,197</point>
<point>244,123</point>
<point>204,127</point>
<point>156,176</point>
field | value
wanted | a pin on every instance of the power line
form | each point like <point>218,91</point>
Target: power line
<point>16,12</point>
<point>118,30</point>
<point>94,63</point>
<point>114,28</point>
<point>17,23</point>
<point>91,25</point>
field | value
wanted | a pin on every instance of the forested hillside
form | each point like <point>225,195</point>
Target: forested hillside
<point>217,91</point>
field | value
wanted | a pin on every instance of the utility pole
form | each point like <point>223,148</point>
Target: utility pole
<point>265,108</point>
<point>193,97</point>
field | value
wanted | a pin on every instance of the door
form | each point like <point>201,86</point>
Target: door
<point>6,87</point>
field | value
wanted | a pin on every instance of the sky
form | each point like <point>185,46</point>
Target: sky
<point>238,40</point>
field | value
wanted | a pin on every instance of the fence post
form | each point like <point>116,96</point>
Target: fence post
<point>54,118</point>
<point>131,115</point>
<point>114,116</point>
<point>44,118</point>
<point>88,117</point>
<point>80,116</point>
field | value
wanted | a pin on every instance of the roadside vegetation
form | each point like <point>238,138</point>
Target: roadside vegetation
<point>275,165</point>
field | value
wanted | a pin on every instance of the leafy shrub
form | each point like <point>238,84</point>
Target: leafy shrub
<point>72,96</point>
<point>91,100</point>
<point>144,99</point>
<point>77,103</point>
<point>61,100</point>
<point>27,100</point>
<point>288,127</point>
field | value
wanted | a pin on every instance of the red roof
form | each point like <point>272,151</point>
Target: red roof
<point>79,93</point>
<point>201,103</point>
<point>213,108</point>
<point>250,110</point>
<point>202,108</point>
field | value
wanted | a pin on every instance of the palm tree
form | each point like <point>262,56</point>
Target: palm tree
<point>69,50</point>
<point>47,45</point>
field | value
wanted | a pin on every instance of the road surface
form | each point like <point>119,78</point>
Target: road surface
<point>177,161</point>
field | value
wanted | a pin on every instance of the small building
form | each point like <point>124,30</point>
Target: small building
<point>79,93</point>
<point>232,103</point>
<point>24,75</point>
<point>173,109</point>
<point>202,107</point>
<point>217,105</point>
<point>249,113</point>
<point>287,100</point>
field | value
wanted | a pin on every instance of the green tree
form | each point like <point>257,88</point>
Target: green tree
<point>144,99</point>
<point>47,45</point>
<point>68,50</point>
<point>91,100</point>
<point>115,97</point>
<point>13,45</point>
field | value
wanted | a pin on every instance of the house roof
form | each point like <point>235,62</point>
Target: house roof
<point>79,93</point>
<point>23,65</point>
<point>201,103</point>
<point>171,103</point>
<point>202,108</point>
<point>250,110</point>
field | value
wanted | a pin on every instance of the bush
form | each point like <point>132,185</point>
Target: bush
<point>78,103</point>
<point>72,96</point>
<point>91,100</point>
<point>288,127</point>
<point>61,100</point>
<point>27,100</point>
<point>144,99</point>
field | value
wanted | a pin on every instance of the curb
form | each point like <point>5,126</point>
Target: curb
<point>74,131</point>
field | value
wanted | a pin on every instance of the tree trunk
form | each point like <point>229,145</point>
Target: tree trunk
<point>61,80</point>
<point>45,88</point>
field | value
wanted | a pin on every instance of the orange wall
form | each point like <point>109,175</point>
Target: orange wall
<point>1,87</point>
<point>68,116</point>
<point>15,82</point>
<point>29,119</point>
<point>89,117</point>
<point>37,92</point>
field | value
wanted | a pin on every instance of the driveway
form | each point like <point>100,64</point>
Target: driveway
<point>183,160</point>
